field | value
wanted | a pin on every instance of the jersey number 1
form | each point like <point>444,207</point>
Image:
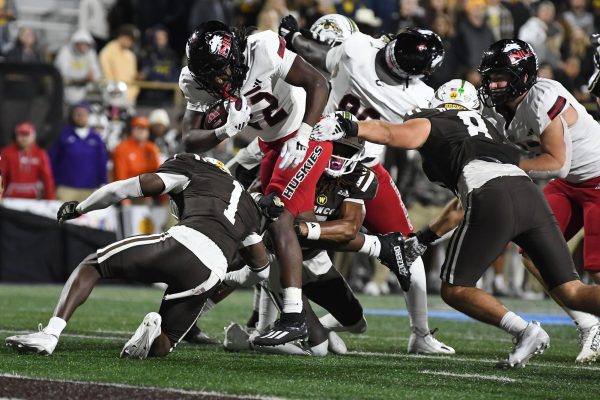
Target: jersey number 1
<point>233,202</point>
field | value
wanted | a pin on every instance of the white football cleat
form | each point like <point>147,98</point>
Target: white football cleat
<point>590,344</point>
<point>39,342</point>
<point>427,344</point>
<point>236,338</point>
<point>141,341</point>
<point>336,344</point>
<point>532,340</point>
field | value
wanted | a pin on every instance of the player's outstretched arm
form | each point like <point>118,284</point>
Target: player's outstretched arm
<point>143,185</point>
<point>197,140</point>
<point>313,52</point>
<point>341,230</point>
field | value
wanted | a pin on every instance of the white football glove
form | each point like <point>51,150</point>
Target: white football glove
<point>294,150</point>
<point>236,119</point>
<point>332,127</point>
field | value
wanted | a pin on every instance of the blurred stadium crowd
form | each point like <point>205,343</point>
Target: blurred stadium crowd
<point>120,61</point>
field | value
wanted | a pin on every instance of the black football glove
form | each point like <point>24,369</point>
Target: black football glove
<point>68,211</point>
<point>270,205</point>
<point>287,27</point>
<point>392,256</point>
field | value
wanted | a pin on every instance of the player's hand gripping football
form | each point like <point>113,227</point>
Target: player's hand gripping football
<point>335,126</point>
<point>294,150</point>
<point>270,205</point>
<point>238,115</point>
<point>68,211</point>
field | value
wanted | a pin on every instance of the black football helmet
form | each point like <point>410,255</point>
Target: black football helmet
<point>214,50</point>
<point>414,52</point>
<point>514,57</point>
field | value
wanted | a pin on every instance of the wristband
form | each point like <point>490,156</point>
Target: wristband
<point>353,131</point>
<point>426,236</point>
<point>297,229</point>
<point>221,133</point>
<point>314,230</point>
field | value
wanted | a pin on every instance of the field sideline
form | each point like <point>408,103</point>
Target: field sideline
<point>376,368</point>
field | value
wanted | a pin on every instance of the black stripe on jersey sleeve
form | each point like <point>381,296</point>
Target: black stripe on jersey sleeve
<point>557,108</point>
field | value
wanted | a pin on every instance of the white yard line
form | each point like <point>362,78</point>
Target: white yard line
<point>124,386</point>
<point>472,376</point>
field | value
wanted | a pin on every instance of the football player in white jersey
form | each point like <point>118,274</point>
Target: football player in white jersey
<point>278,96</point>
<point>562,141</point>
<point>375,80</point>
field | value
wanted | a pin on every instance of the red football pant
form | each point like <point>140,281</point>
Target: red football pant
<point>577,205</point>
<point>386,212</point>
<point>296,187</point>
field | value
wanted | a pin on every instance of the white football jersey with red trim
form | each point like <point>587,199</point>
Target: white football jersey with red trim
<point>277,108</point>
<point>546,100</point>
<point>357,87</point>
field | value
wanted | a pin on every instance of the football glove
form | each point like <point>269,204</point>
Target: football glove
<point>68,211</point>
<point>236,119</point>
<point>270,205</point>
<point>294,150</point>
<point>335,126</point>
<point>413,249</point>
<point>392,256</point>
<point>288,27</point>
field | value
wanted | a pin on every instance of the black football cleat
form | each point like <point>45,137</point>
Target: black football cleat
<point>289,328</point>
<point>392,256</point>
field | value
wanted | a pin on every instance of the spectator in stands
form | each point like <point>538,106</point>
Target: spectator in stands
<point>24,49</point>
<point>8,13</point>
<point>367,22</point>
<point>207,10</point>
<point>272,12</point>
<point>159,63</point>
<point>473,36</point>
<point>578,16</point>
<point>500,20</point>
<point>411,15</point>
<point>544,34</point>
<point>93,17</point>
<point>136,154</point>
<point>78,65</point>
<point>168,140</point>
<point>25,167</point>
<point>78,158</point>
<point>119,62</point>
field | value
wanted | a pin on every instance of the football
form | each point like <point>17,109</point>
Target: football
<point>216,115</point>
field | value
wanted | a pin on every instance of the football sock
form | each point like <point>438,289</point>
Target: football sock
<point>256,297</point>
<point>512,323</point>
<point>292,300</point>
<point>371,246</point>
<point>416,298</point>
<point>55,326</point>
<point>267,312</point>
<point>581,319</point>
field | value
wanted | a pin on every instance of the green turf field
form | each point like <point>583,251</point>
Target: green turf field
<point>376,368</point>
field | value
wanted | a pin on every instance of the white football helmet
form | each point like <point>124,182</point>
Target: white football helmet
<point>333,29</point>
<point>456,91</point>
<point>347,152</point>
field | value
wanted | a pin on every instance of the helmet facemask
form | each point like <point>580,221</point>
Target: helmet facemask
<point>495,97</point>
<point>346,156</point>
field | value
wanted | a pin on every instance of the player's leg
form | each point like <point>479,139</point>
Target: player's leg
<point>488,225</point>
<point>591,226</point>
<point>296,187</point>
<point>387,213</point>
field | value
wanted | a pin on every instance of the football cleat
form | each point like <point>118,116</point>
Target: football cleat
<point>590,344</point>
<point>530,341</point>
<point>284,330</point>
<point>141,341</point>
<point>236,338</point>
<point>39,342</point>
<point>392,256</point>
<point>427,344</point>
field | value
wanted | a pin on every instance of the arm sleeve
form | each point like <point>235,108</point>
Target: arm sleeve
<point>110,194</point>
<point>173,182</point>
